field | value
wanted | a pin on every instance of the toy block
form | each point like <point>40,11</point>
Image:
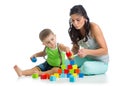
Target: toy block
<point>68,75</point>
<point>71,71</point>
<point>59,71</point>
<point>45,76</point>
<point>77,70</point>
<point>62,75</point>
<point>75,66</point>
<point>69,67</point>
<point>68,54</point>
<point>52,78</point>
<point>81,75</point>
<point>72,79</point>
<point>35,75</point>
<point>66,71</point>
<point>56,75</point>
<point>72,62</point>
<point>63,67</point>
<point>33,59</point>
<point>75,74</point>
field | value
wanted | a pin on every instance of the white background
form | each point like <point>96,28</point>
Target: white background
<point>22,20</point>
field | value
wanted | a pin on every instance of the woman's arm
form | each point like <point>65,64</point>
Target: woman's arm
<point>98,35</point>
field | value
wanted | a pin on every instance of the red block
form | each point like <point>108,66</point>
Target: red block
<point>69,66</point>
<point>66,71</point>
<point>68,54</point>
<point>45,76</point>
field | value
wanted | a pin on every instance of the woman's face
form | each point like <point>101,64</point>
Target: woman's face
<point>78,21</point>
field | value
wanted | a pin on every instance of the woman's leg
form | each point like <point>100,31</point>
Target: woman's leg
<point>79,61</point>
<point>94,67</point>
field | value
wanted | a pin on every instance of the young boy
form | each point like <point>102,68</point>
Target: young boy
<point>53,50</point>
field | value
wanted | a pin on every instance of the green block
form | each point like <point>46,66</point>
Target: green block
<point>35,75</point>
<point>71,71</point>
<point>63,67</point>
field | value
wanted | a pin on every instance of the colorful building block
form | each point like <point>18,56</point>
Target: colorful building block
<point>66,71</point>
<point>56,75</point>
<point>63,67</point>
<point>62,75</point>
<point>59,71</point>
<point>52,78</point>
<point>71,71</point>
<point>45,76</point>
<point>72,79</point>
<point>35,75</point>
<point>69,66</point>
<point>68,75</point>
<point>74,66</point>
<point>33,59</point>
<point>81,75</point>
<point>77,70</point>
<point>72,62</point>
<point>68,54</point>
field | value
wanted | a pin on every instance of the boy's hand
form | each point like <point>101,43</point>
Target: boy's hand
<point>33,59</point>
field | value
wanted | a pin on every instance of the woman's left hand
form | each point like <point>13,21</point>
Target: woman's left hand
<point>82,53</point>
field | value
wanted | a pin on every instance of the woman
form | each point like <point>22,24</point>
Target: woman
<point>93,56</point>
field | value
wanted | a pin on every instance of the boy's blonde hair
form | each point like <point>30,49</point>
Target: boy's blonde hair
<point>44,33</point>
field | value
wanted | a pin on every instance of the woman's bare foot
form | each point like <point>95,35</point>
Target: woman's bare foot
<point>18,70</point>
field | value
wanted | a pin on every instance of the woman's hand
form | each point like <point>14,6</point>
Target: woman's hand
<point>82,53</point>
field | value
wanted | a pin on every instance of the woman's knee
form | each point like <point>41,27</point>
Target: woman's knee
<point>93,67</point>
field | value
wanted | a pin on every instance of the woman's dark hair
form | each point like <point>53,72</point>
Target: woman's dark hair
<point>75,34</point>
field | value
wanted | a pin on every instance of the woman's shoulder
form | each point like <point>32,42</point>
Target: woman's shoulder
<point>93,25</point>
<point>94,28</point>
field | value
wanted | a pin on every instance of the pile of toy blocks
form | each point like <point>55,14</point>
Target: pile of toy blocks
<point>70,71</point>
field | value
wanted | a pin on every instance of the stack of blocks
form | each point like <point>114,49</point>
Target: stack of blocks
<point>70,71</point>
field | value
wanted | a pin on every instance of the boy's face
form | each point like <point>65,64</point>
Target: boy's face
<point>50,41</point>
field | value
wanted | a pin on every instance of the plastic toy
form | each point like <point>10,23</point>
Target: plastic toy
<point>33,59</point>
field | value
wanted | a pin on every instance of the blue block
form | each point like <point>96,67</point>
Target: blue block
<point>68,75</point>
<point>33,59</point>
<point>81,75</point>
<point>62,75</point>
<point>52,78</point>
<point>72,79</point>
<point>72,62</point>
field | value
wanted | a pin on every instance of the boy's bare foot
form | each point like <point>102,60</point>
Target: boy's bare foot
<point>18,70</point>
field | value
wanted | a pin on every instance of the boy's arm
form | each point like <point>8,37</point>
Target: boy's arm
<point>39,54</point>
<point>64,48</point>
<point>67,50</point>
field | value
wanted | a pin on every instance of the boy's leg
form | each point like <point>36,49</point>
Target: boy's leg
<point>94,67</point>
<point>51,71</point>
<point>27,72</point>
